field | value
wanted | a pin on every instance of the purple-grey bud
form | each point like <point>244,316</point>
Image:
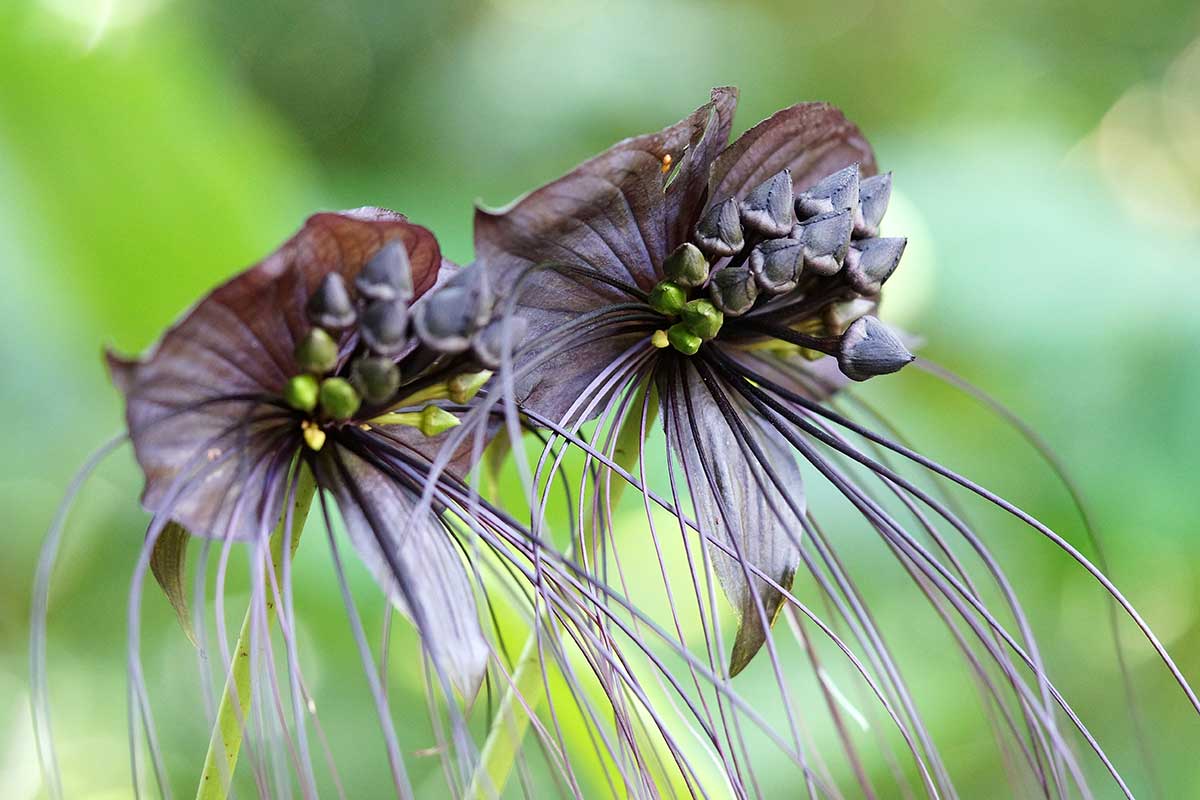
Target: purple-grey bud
<point>776,264</point>
<point>330,306</point>
<point>387,275</point>
<point>836,192</point>
<point>826,240</point>
<point>733,290</point>
<point>768,207</point>
<point>719,231</point>
<point>490,341</point>
<point>871,262</point>
<point>383,326</point>
<point>870,348</point>
<point>873,196</point>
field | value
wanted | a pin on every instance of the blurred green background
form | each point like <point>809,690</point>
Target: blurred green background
<point>1047,161</point>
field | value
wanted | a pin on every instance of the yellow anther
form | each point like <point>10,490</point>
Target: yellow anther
<point>666,163</point>
<point>659,339</point>
<point>314,436</point>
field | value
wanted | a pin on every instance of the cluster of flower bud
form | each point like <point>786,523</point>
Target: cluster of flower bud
<point>380,317</point>
<point>776,243</point>
<point>351,357</point>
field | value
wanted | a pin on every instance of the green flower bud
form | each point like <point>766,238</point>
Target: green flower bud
<point>436,420</point>
<point>317,352</point>
<point>301,392</point>
<point>376,378</point>
<point>702,318</point>
<point>462,387</point>
<point>683,339</point>
<point>667,298</point>
<point>687,266</point>
<point>338,398</point>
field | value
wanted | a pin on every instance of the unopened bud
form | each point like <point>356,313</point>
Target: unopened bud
<point>733,290</point>
<point>719,231</point>
<point>388,275</point>
<point>667,298</point>
<point>464,386</point>
<point>873,196</point>
<point>836,192</point>
<point>330,306</point>
<point>435,420</point>
<point>384,325</point>
<point>777,264</point>
<point>683,339</point>
<point>870,348</point>
<point>491,341</point>
<point>768,207</point>
<point>338,398</point>
<point>317,352</point>
<point>872,261</point>
<point>703,319</point>
<point>301,392</point>
<point>376,378</point>
<point>826,241</point>
<point>687,266</point>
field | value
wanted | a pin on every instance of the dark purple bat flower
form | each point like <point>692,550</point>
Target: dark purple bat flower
<point>337,365</point>
<point>739,282</point>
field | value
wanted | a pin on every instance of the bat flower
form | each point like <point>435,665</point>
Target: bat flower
<point>736,285</point>
<point>311,355</point>
<point>334,367</point>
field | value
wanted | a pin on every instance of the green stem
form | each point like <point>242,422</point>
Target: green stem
<point>226,741</point>
<point>511,722</point>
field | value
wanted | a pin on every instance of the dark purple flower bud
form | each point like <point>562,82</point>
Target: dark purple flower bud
<point>733,290</point>
<point>826,241</point>
<point>388,275</point>
<point>445,320</point>
<point>687,266</point>
<point>776,264</point>
<point>870,348</point>
<point>873,196</point>
<point>719,231</point>
<point>836,192</point>
<point>384,325</point>
<point>872,261</point>
<point>376,378</point>
<point>330,305</point>
<point>490,341</point>
<point>451,314</point>
<point>768,208</point>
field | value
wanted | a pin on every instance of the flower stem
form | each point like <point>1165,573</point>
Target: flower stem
<point>511,722</point>
<point>225,744</point>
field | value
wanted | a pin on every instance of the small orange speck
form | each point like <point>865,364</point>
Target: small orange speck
<point>666,163</point>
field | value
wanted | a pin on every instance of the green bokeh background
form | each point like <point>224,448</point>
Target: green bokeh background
<point>1047,162</point>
